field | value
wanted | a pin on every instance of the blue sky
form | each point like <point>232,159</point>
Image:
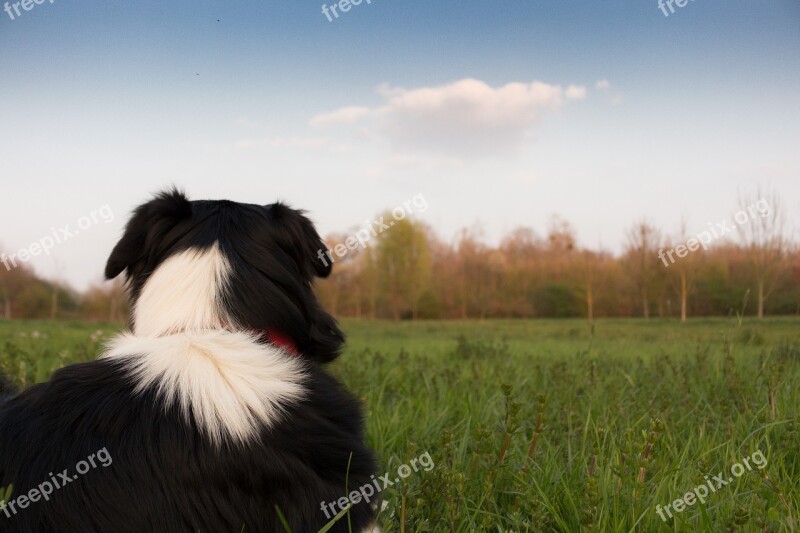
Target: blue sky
<point>500,114</point>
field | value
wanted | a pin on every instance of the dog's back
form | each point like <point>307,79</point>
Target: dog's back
<point>162,472</point>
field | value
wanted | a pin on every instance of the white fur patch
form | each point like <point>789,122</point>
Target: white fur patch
<point>227,382</point>
<point>183,294</point>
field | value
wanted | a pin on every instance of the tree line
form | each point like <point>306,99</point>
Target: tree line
<point>410,272</point>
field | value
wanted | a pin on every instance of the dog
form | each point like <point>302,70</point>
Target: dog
<point>213,413</point>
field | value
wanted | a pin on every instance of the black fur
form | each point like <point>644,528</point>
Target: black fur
<point>166,475</point>
<point>6,390</point>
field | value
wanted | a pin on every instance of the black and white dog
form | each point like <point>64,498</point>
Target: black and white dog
<point>214,407</point>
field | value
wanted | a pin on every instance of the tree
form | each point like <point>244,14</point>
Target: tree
<point>105,301</point>
<point>762,227</point>
<point>403,261</point>
<point>522,251</point>
<point>684,267</point>
<point>13,283</point>
<point>641,253</point>
<point>590,266</point>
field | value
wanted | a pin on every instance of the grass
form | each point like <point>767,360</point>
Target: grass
<point>552,425</point>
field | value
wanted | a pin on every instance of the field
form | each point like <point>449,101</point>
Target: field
<point>554,425</point>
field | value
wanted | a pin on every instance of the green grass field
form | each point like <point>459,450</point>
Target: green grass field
<point>552,425</point>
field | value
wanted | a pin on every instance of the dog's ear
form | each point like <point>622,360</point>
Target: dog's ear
<point>148,227</point>
<point>304,243</point>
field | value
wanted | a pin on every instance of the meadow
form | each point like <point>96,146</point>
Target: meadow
<point>554,425</point>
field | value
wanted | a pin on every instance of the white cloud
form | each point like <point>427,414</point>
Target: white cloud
<point>575,92</point>
<point>464,118</point>
<point>602,85</point>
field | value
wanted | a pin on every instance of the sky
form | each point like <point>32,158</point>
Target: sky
<point>500,114</point>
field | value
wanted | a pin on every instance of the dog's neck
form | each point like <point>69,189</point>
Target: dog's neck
<point>185,295</point>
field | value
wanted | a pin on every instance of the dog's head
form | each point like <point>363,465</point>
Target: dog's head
<point>196,265</point>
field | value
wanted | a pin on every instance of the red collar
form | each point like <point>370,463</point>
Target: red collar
<point>272,336</point>
<point>280,340</point>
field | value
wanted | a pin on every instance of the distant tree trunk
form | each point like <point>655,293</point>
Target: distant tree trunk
<point>333,300</point>
<point>54,303</point>
<point>590,303</point>
<point>6,305</point>
<point>463,291</point>
<point>642,240</point>
<point>683,295</point>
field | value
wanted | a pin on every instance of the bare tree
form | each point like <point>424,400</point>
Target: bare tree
<point>588,273</point>
<point>55,287</point>
<point>641,254</point>
<point>522,250</point>
<point>475,273</point>
<point>684,266</point>
<point>763,230</point>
